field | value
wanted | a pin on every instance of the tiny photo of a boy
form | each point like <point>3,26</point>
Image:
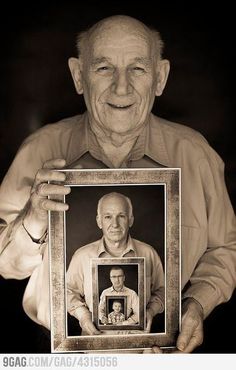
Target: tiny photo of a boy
<point>115,309</point>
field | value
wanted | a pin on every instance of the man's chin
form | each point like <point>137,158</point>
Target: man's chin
<point>116,238</point>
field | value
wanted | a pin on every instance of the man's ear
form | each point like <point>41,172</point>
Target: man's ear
<point>163,69</point>
<point>131,221</point>
<point>75,70</point>
<point>98,219</point>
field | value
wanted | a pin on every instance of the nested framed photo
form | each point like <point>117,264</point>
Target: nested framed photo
<point>119,239</point>
<point>121,308</point>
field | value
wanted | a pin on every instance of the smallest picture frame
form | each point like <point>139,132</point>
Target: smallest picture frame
<point>119,293</point>
<point>116,310</point>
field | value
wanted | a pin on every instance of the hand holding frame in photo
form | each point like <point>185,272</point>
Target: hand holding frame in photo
<point>130,311</point>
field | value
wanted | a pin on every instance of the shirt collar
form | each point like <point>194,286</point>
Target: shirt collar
<point>150,142</point>
<point>118,291</point>
<point>130,247</point>
<point>155,146</point>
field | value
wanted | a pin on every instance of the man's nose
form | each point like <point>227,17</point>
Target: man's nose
<point>121,84</point>
<point>115,222</point>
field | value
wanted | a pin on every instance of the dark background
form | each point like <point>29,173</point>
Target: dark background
<point>36,40</point>
<point>148,209</point>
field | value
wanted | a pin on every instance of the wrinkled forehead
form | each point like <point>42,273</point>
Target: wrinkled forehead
<point>117,272</point>
<point>114,204</point>
<point>120,38</point>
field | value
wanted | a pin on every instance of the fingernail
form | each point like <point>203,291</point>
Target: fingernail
<point>181,346</point>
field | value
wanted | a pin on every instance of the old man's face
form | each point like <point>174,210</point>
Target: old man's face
<point>114,219</point>
<point>117,278</point>
<point>119,78</point>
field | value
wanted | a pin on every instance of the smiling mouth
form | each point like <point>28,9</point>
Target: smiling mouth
<point>119,106</point>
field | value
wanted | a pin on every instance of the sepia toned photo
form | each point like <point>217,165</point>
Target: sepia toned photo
<point>119,287</point>
<point>117,279</point>
<point>95,98</point>
<point>116,311</point>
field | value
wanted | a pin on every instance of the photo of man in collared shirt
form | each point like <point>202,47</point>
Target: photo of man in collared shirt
<point>114,218</point>
<point>118,289</point>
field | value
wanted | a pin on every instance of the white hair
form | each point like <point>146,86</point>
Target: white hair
<point>84,37</point>
<point>115,195</point>
<point>117,267</point>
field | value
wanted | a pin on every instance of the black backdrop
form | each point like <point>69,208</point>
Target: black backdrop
<point>36,88</point>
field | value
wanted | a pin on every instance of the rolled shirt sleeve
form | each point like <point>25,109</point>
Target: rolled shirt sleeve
<point>156,302</point>
<point>134,317</point>
<point>214,277</point>
<point>102,306</point>
<point>76,304</point>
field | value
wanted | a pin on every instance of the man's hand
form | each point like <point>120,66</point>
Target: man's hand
<point>88,327</point>
<point>36,217</point>
<point>104,320</point>
<point>149,318</point>
<point>125,322</point>
<point>191,335</point>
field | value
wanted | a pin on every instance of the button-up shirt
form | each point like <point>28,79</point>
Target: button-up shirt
<point>208,221</point>
<point>116,318</point>
<point>132,305</point>
<point>79,276</point>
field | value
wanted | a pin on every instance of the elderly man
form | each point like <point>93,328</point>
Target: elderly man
<point>114,218</point>
<point>117,277</point>
<point>119,71</point>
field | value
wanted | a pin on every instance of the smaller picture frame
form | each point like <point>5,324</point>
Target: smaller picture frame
<point>111,306</point>
<point>129,313</point>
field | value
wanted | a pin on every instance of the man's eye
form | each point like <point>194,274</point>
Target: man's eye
<point>107,217</point>
<point>138,70</point>
<point>103,69</point>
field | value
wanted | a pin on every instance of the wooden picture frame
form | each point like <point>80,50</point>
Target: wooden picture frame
<point>147,185</point>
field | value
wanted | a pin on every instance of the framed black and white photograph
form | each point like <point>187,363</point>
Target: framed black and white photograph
<point>122,309</point>
<point>136,211</point>
<point>113,306</point>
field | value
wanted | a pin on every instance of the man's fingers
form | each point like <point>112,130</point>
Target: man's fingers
<point>194,342</point>
<point>55,163</point>
<point>90,328</point>
<point>50,205</point>
<point>148,326</point>
<point>191,334</point>
<point>149,322</point>
<point>154,349</point>
<point>187,331</point>
<point>45,189</point>
<point>125,322</point>
<point>45,175</point>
